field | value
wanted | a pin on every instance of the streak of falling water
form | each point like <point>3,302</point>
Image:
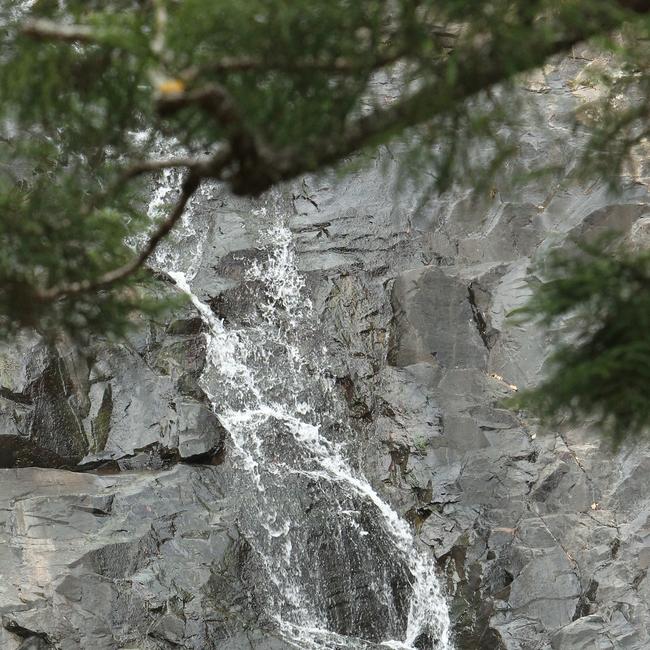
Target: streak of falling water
<point>335,566</point>
<point>339,568</point>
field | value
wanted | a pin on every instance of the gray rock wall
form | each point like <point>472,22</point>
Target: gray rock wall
<point>118,529</point>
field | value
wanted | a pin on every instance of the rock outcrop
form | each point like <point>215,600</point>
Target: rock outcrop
<point>117,525</point>
<point>66,407</point>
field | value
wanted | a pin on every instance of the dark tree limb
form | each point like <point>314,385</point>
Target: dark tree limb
<point>251,156</point>
<point>639,6</point>
<point>435,99</point>
<point>199,169</point>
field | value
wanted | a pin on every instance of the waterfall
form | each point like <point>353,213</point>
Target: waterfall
<point>332,564</point>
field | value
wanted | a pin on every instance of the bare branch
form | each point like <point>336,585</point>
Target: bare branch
<point>203,167</point>
<point>50,30</point>
<point>206,166</point>
<point>340,65</point>
<point>189,187</point>
<point>199,169</point>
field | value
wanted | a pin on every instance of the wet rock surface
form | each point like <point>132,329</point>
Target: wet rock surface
<point>542,536</point>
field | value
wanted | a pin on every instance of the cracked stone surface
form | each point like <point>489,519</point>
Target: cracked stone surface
<point>59,407</point>
<point>119,561</point>
<point>542,536</point>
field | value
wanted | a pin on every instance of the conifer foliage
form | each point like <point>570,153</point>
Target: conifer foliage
<point>597,301</point>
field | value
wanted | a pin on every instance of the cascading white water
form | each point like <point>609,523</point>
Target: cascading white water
<point>339,568</point>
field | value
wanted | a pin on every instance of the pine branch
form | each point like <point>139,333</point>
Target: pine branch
<point>477,69</point>
<point>191,183</point>
<point>253,166</point>
<point>260,167</point>
<point>475,73</point>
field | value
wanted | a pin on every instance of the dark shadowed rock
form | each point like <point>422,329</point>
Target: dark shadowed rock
<point>43,400</point>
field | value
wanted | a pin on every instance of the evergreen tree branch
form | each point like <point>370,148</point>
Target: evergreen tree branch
<point>440,97</point>
<point>190,185</point>
<point>596,301</point>
<point>487,51</point>
<point>476,69</point>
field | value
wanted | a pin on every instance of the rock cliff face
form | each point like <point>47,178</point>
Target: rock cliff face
<point>118,526</point>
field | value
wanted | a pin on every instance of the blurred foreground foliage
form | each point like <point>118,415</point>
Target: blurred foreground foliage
<point>596,298</point>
